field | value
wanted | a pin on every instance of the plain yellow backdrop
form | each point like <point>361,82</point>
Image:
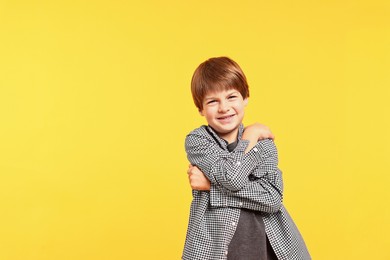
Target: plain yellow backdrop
<point>95,105</point>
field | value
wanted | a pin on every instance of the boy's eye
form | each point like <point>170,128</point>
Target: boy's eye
<point>211,101</point>
<point>232,97</point>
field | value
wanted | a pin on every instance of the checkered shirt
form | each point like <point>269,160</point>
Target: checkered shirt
<point>238,180</point>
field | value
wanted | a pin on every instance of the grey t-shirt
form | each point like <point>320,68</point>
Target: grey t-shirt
<point>250,241</point>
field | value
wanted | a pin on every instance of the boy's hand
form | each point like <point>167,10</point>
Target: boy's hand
<point>198,180</point>
<point>261,131</point>
<point>254,133</point>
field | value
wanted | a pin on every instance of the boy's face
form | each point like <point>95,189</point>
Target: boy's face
<point>224,111</point>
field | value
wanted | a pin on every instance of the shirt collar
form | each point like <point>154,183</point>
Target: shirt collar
<point>223,143</point>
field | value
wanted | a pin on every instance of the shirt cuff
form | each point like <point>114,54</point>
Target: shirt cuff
<point>219,198</point>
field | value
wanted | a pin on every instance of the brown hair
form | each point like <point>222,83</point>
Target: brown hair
<point>216,74</point>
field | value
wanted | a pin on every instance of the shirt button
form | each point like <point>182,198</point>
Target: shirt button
<point>238,163</point>
<point>226,252</point>
<point>233,223</point>
<point>255,149</point>
<point>240,204</point>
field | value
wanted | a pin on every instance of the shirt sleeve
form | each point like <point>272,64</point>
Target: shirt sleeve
<point>227,169</point>
<point>264,193</point>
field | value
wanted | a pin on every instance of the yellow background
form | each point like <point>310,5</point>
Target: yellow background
<point>95,105</point>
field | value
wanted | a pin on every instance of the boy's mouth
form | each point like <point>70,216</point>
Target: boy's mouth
<point>225,118</point>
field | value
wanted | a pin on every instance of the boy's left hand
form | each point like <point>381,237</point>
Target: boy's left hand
<point>198,180</point>
<point>263,131</point>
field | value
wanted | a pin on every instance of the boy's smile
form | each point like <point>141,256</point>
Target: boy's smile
<point>224,111</point>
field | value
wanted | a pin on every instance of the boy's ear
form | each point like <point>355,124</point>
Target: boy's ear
<point>201,112</point>
<point>246,101</point>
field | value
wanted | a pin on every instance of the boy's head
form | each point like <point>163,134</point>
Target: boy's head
<point>217,74</point>
<point>220,92</point>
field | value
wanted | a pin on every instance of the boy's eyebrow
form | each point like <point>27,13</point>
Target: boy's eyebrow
<point>209,97</point>
<point>233,92</point>
<point>227,94</point>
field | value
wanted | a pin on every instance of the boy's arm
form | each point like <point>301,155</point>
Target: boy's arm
<point>228,169</point>
<point>263,194</point>
<point>266,192</point>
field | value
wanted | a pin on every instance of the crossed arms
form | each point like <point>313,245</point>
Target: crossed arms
<point>247,177</point>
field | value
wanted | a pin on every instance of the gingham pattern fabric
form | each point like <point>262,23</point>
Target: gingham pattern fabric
<point>238,180</point>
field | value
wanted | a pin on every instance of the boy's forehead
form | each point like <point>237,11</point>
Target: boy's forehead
<point>216,92</point>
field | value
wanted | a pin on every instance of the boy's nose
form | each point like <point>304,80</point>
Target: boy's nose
<point>223,107</point>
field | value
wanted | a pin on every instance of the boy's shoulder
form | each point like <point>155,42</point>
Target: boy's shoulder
<point>204,137</point>
<point>199,137</point>
<point>202,130</point>
<point>200,134</point>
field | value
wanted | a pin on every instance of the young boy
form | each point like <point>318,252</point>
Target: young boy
<point>237,210</point>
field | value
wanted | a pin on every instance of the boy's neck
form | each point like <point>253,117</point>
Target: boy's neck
<point>230,137</point>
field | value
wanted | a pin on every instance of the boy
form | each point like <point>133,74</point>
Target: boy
<point>237,210</point>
